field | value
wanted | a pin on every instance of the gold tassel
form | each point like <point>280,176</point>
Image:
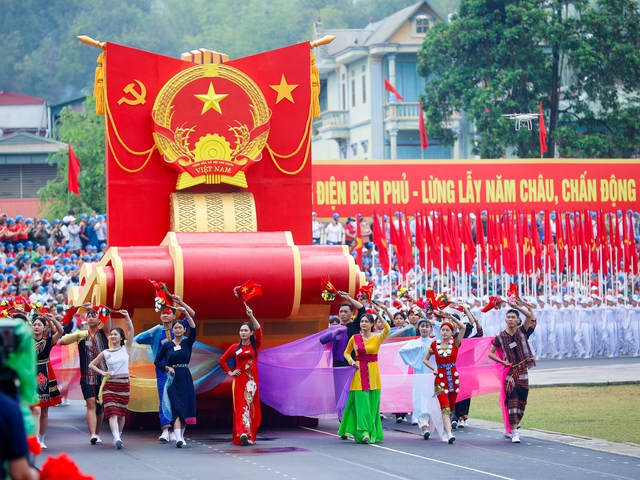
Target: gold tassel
<point>315,87</point>
<point>98,85</point>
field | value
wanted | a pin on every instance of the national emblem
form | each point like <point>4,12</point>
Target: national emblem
<point>227,145</point>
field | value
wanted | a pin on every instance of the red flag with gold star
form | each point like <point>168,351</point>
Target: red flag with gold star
<point>247,290</point>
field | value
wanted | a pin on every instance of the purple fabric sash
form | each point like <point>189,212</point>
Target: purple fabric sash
<point>364,358</point>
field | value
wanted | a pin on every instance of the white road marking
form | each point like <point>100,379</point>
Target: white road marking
<point>414,456</point>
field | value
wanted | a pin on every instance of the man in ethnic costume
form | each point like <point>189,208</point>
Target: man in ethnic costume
<point>513,341</point>
<point>91,343</point>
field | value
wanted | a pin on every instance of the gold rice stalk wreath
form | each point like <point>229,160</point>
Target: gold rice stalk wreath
<point>165,98</point>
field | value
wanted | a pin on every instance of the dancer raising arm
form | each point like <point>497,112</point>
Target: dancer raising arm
<point>90,343</point>
<point>245,386</point>
<point>426,409</point>
<point>447,381</point>
<point>174,357</point>
<point>156,337</point>
<point>362,411</point>
<point>115,389</point>
<point>46,333</point>
<point>519,358</point>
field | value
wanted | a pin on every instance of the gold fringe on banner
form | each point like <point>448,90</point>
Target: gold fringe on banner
<point>315,74</point>
<point>315,88</point>
<point>98,85</point>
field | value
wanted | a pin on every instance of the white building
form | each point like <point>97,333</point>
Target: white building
<point>361,120</point>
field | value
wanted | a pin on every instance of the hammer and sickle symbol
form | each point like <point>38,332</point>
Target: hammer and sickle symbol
<point>138,96</point>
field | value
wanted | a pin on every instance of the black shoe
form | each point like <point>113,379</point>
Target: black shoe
<point>454,424</point>
<point>343,437</point>
<point>244,439</point>
<point>426,435</point>
<point>452,438</point>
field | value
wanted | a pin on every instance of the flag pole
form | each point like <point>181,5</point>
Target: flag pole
<point>464,283</point>
<point>480,274</point>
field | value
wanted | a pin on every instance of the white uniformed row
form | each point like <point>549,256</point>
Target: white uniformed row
<point>576,331</point>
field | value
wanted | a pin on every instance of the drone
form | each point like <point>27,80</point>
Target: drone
<point>522,118</point>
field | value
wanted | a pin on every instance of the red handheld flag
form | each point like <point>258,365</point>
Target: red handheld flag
<point>390,88</point>
<point>74,172</point>
<point>247,290</point>
<point>69,314</point>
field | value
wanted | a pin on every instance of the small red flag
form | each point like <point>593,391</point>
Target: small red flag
<point>247,290</point>
<point>480,242</point>
<point>424,140</point>
<point>466,242</point>
<point>398,241</point>
<point>420,241</point>
<point>380,240</point>
<point>390,88</point>
<point>550,261</point>
<point>543,134</point>
<point>74,171</point>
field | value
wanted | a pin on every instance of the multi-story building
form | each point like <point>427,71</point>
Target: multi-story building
<point>25,145</point>
<point>360,119</point>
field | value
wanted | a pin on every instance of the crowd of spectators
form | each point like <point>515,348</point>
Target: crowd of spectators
<point>40,260</point>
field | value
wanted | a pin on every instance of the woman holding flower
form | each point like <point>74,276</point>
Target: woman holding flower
<point>447,381</point>
<point>246,395</point>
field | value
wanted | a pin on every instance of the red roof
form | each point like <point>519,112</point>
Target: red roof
<point>11,98</point>
<point>27,207</point>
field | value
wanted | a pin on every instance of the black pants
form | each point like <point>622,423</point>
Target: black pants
<point>462,408</point>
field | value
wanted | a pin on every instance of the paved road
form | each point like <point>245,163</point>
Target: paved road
<point>546,363</point>
<point>585,371</point>
<point>304,453</point>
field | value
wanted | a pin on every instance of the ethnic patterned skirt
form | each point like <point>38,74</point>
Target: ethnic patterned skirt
<point>115,397</point>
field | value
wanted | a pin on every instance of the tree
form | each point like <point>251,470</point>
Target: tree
<point>40,55</point>
<point>501,57</point>
<point>602,116</point>
<point>85,132</point>
<point>486,63</point>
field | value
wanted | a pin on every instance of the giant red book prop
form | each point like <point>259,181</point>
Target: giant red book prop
<point>208,171</point>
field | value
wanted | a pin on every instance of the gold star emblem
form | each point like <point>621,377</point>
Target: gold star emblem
<point>211,100</point>
<point>284,90</point>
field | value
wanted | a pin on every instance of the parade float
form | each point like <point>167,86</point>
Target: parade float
<point>208,177</point>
